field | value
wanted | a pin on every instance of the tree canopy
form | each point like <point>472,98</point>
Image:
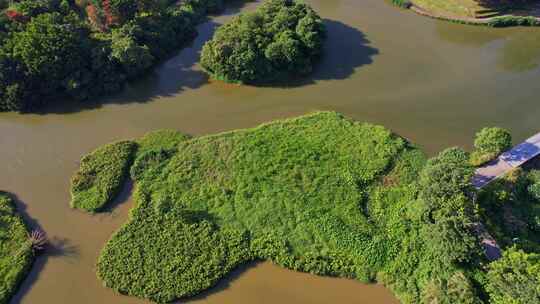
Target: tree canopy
<point>282,38</point>
<point>53,49</point>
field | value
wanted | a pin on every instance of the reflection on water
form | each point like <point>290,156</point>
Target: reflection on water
<point>518,49</point>
<point>433,82</point>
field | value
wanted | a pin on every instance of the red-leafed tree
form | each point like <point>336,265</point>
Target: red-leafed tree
<point>15,16</point>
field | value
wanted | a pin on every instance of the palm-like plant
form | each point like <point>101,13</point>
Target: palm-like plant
<point>38,240</point>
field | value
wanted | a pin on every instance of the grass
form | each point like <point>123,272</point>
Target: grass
<point>467,8</point>
<point>101,176</point>
<point>504,13</point>
<point>16,255</point>
<point>319,193</point>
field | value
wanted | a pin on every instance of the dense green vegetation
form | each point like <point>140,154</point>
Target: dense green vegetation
<point>101,175</point>
<point>515,279</point>
<point>16,254</point>
<point>320,194</point>
<point>329,196</point>
<point>279,40</point>
<point>51,49</point>
<point>510,207</point>
<point>489,143</point>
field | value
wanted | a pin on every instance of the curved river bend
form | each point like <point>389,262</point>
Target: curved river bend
<point>433,82</point>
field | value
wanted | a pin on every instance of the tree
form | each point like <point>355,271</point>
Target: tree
<point>133,58</point>
<point>455,290</point>
<point>13,85</point>
<point>52,48</point>
<point>281,39</point>
<point>445,184</point>
<point>489,143</point>
<point>124,9</point>
<point>515,278</point>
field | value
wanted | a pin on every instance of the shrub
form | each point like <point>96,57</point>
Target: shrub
<point>15,249</point>
<point>534,191</point>
<point>281,39</point>
<point>489,143</point>
<point>514,278</point>
<point>506,21</point>
<point>101,176</point>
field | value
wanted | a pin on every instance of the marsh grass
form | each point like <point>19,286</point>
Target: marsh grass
<point>101,175</point>
<point>307,193</point>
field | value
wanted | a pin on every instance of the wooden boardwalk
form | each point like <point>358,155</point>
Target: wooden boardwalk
<point>507,161</point>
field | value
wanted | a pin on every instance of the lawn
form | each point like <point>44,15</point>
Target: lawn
<point>319,193</point>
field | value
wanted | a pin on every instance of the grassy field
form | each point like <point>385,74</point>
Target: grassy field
<point>15,249</point>
<point>319,193</point>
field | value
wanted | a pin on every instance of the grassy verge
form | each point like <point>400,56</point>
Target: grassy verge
<point>489,13</point>
<point>15,249</point>
<point>320,194</point>
<point>101,175</point>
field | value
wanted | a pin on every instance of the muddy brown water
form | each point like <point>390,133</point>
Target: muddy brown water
<point>433,82</point>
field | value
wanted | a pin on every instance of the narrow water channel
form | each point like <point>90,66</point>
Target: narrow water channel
<point>433,82</point>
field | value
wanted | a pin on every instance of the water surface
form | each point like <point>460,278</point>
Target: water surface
<point>433,82</point>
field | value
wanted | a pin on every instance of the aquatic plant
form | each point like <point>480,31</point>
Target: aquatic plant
<point>38,240</point>
<point>306,193</point>
<point>101,175</point>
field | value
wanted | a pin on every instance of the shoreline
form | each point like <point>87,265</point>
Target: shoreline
<point>497,21</point>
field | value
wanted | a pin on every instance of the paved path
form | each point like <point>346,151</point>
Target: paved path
<point>509,160</point>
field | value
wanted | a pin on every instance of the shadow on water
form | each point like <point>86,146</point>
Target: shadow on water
<point>223,284</point>
<point>57,247</point>
<point>345,50</point>
<point>121,198</point>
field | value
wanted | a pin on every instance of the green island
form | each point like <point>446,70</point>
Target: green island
<point>80,50</point>
<point>495,13</point>
<point>280,40</point>
<point>16,253</point>
<point>326,195</point>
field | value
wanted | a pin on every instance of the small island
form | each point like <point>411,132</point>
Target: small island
<point>321,194</point>
<point>17,247</point>
<point>494,13</point>
<point>281,39</point>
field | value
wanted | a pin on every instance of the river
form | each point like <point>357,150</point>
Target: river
<point>433,82</point>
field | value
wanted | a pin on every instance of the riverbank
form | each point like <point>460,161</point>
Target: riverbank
<point>473,13</point>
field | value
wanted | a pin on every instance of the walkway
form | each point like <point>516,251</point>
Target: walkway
<point>508,161</point>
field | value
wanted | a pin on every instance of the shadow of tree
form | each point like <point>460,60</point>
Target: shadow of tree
<point>57,247</point>
<point>345,50</point>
